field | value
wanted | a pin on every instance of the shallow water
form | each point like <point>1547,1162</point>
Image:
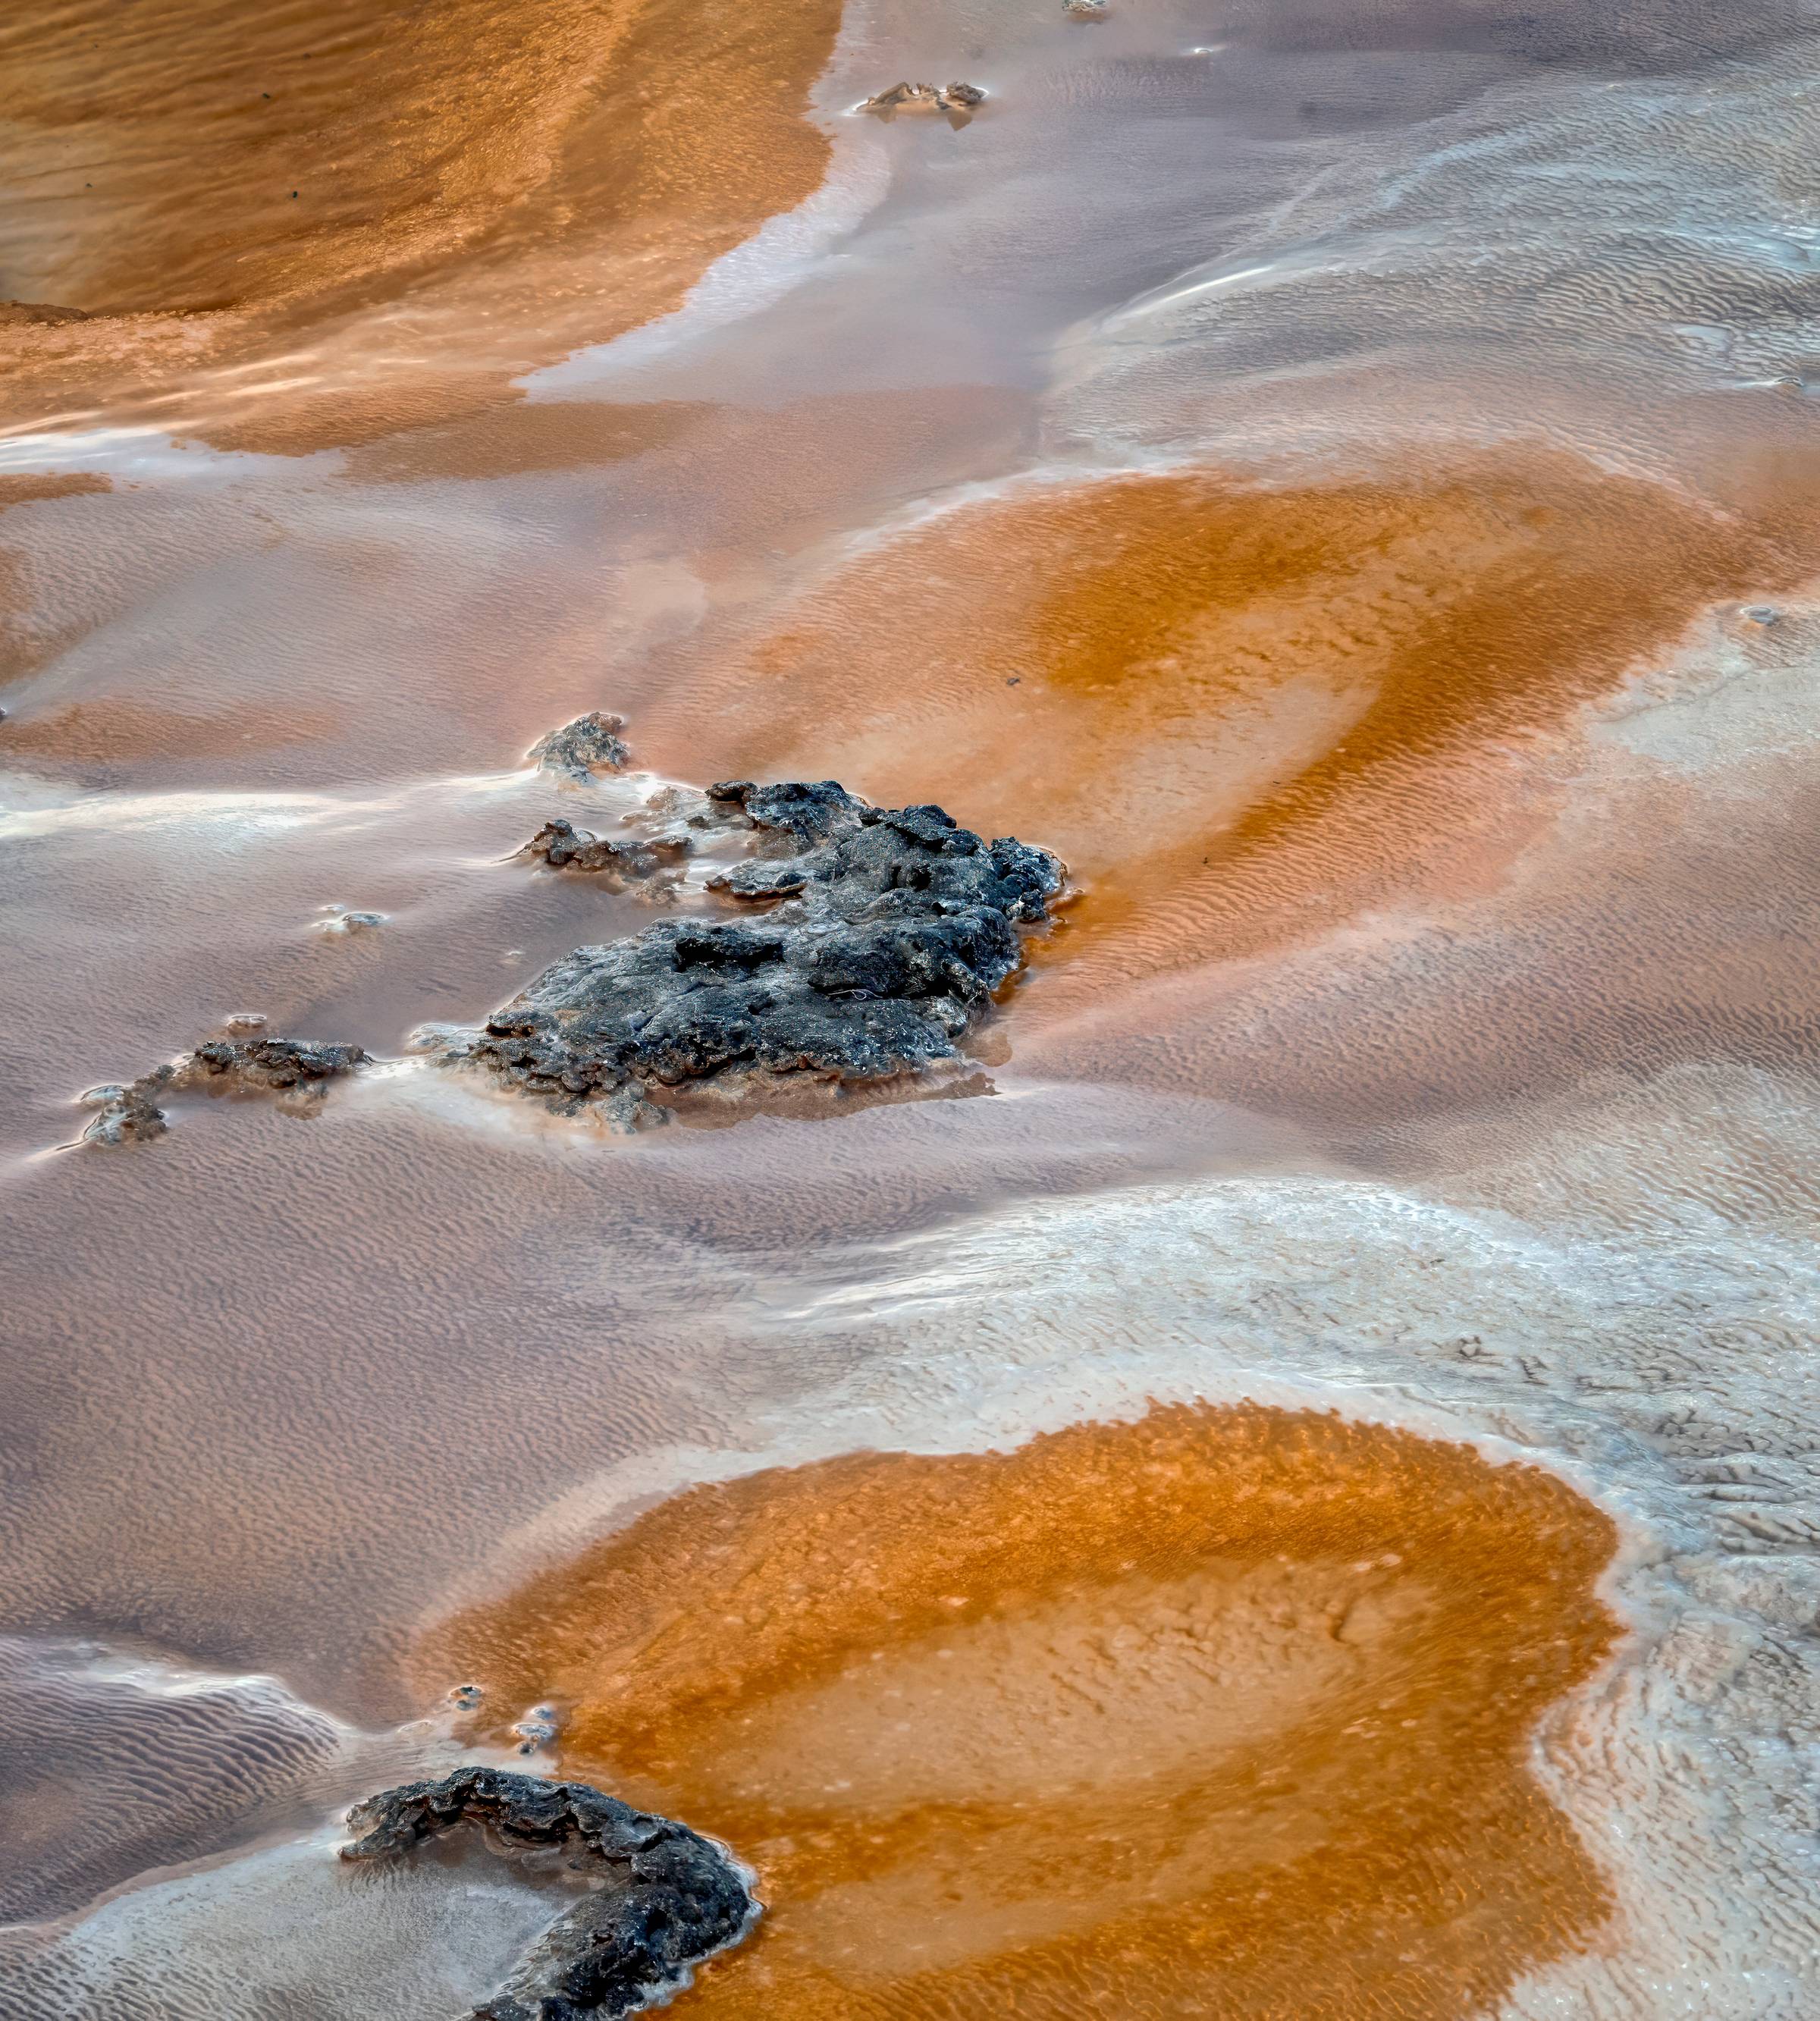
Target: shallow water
<point>1342,474</point>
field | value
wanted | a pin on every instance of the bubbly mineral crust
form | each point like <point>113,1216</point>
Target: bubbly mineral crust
<point>295,1070</point>
<point>590,744</point>
<point>875,938</point>
<point>669,1897</point>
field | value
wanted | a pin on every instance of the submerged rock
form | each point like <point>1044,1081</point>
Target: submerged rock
<point>669,1897</point>
<point>873,938</point>
<point>340,923</point>
<point>590,744</point>
<point>125,1114</point>
<point>295,1070</point>
<point>537,1728</point>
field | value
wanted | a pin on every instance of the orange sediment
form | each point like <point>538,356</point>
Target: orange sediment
<point>207,185</point>
<point>1227,1712</point>
<point>23,490</point>
<point>1242,712</point>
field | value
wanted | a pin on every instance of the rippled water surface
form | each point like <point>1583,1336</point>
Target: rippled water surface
<point>1300,1501</point>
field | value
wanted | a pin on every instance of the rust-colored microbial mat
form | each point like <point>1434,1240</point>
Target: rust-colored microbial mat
<point>194,182</point>
<point>1243,711</point>
<point>1225,1712</point>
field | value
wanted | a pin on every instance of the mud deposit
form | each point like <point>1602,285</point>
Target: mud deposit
<point>1289,1490</point>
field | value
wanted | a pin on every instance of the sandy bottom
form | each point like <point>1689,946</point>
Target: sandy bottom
<point>1222,1713</point>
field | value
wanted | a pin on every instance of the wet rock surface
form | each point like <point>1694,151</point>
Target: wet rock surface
<point>668,1898</point>
<point>584,748</point>
<point>297,1071</point>
<point>621,860</point>
<point>340,923</point>
<point>852,947</point>
<point>958,100</point>
<point>870,940</point>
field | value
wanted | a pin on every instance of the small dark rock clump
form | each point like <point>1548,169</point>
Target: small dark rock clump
<point>872,939</point>
<point>296,1070</point>
<point>622,860</point>
<point>128,1113</point>
<point>278,1065</point>
<point>668,1898</point>
<point>590,744</point>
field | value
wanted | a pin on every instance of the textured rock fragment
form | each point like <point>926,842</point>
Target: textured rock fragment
<point>621,859</point>
<point>128,1112</point>
<point>668,1898</point>
<point>591,744</point>
<point>881,937</point>
<point>956,99</point>
<point>341,922</point>
<point>295,1070</point>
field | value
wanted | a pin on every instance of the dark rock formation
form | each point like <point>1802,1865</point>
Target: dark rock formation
<point>873,938</point>
<point>668,1898</point>
<point>273,1066</point>
<point>124,1113</point>
<point>588,745</point>
<point>855,945</point>
<point>296,1070</point>
<point>622,860</point>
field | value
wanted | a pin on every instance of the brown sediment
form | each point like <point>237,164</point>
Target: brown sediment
<point>1242,712</point>
<point>1225,1712</point>
<point>28,491</point>
<point>508,181</point>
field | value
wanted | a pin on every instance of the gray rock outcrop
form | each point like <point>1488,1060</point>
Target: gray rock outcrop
<point>873,938</point>
<point>297,1071</point>
<point>589,745</point>
<point>667,1897</point>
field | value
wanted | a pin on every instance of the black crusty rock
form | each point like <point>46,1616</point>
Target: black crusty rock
<point>278,1065</point>
<point>882,936</point>
<point>622,859</point>
<point>669,1897</point>
<point>589,744</point>
<point>296,1070</point>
